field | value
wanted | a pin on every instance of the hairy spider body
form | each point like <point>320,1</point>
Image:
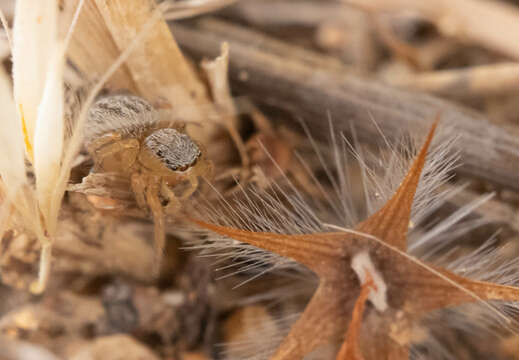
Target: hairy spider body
<point>126,135</point>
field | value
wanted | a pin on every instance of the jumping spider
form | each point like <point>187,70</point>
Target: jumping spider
<point>127,136</point>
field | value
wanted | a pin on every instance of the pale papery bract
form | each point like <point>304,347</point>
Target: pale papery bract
<point>12,165</point>
<point>49,137</point>
<point>35,32</point>
<point>41,115</point>
<point>38,71</point>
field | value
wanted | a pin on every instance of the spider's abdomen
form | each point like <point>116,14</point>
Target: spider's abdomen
<point>177,151</point>
<point>127,115</point>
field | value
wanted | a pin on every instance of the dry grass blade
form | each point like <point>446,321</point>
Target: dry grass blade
<point>157,70</point>
<point>93,49</point>
<point>162,70</point>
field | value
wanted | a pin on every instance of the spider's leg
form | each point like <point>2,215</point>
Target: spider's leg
<point>108,145</point>
<point>159,237</point>
<point>193,185</point>
<point>138,182</point>
<point>173,203</point>
<point>103,140</point>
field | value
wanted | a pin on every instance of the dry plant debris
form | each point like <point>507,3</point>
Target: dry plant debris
<point>156,68</point>
<point>396,285</point>
<point>413,287</point>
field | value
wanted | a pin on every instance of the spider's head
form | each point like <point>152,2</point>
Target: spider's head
<point>174,150</point>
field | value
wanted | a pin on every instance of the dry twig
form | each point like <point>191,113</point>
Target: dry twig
<point>477,81</point>
<point>315,93</point>
<point>462,19</point>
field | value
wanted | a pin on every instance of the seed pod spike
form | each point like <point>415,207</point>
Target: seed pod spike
<point>391,222</point>
<point>321,322</point>
<point>316,251</point>
<point>431,292</point>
